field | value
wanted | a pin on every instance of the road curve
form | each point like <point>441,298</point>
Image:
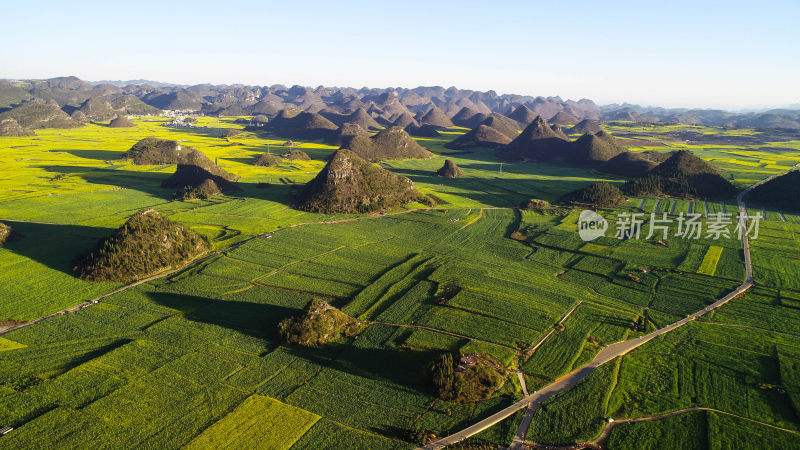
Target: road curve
<point>609,352</point>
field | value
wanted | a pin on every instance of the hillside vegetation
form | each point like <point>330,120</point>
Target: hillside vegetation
<point>37,114</point>
<point>599,195</point>
<point>12,128</point>
<point>391,143</point>
<point>682,175</point>
<point>146,244</point>
<point>318,324</point>
<point>472,378</point>
<point>449,170</point>
<point>155,151</point>
<point>781,192</point>
<point>5,232</point>
<point>348,184</point>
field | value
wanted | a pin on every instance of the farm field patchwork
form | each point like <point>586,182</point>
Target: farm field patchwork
<point>195,359</point>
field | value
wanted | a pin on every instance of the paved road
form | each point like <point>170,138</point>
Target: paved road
<point>609,352</point>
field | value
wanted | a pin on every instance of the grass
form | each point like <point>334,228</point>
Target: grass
<point>698,429</point>
<point>259,422</point>
<point>196,359</point>
<point>709,264</point>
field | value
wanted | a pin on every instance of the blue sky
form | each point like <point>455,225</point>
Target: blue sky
<point>698,54</point>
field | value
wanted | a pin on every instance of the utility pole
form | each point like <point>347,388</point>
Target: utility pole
<point>501,168</point>
<point>268,148</point>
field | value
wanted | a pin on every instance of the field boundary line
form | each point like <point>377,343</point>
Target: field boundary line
<point>436,330</point>
<point>612,351</point>
<point>600,440</point>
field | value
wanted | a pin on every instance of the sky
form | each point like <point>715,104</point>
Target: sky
<point>707,54</point>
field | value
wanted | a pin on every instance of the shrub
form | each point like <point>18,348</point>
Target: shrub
<point>318,324</point>
<point>475,377</point>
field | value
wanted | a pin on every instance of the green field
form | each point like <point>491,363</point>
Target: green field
<point>194,358</point>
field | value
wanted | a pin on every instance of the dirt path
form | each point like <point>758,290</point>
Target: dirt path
<point>519,436</point>
<point>168,272</point>
<point>601,440</point>
<point>608,353</point>
<point>436,330</point>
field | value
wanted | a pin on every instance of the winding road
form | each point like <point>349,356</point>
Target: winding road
<point>608,353</point>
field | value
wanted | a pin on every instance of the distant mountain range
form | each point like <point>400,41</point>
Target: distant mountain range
<point>432,105</point>
<point>121,83</point>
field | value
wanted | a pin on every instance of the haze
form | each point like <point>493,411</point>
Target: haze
<point>721,54</point>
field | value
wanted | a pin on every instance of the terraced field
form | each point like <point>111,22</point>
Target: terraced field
<point>194,358</point>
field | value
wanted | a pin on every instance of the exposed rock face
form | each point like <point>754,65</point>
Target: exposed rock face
<point>449,170</point>
<point>537,142</point>
<point>391,143</point>
<point>348,184</point>
<point>146,244</point>
<point>10,127</point>
<point>154,151</point>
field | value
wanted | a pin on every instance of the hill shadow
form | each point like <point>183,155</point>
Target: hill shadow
<point>98,155</point>
<point>277,192</point>
<point>248,161</point>
<point>148,182</point>
<point>494,192</point>
<point>201,131</point>
<point>259,320</point>
<point>55,246</point>
<point>399,366</point>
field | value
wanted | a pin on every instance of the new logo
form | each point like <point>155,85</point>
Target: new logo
<point>591,225</point>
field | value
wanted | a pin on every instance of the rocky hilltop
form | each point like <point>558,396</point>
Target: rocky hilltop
<point>391,143</point>
<point>537,142</point>
<point>449,170</point>
<point>155,151</point>
<point>780,192</point>
<point>682,175</point>
<point>10,127</point>
<point>349,184</point>
<point>146,244</point>
<point>37,114</point>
